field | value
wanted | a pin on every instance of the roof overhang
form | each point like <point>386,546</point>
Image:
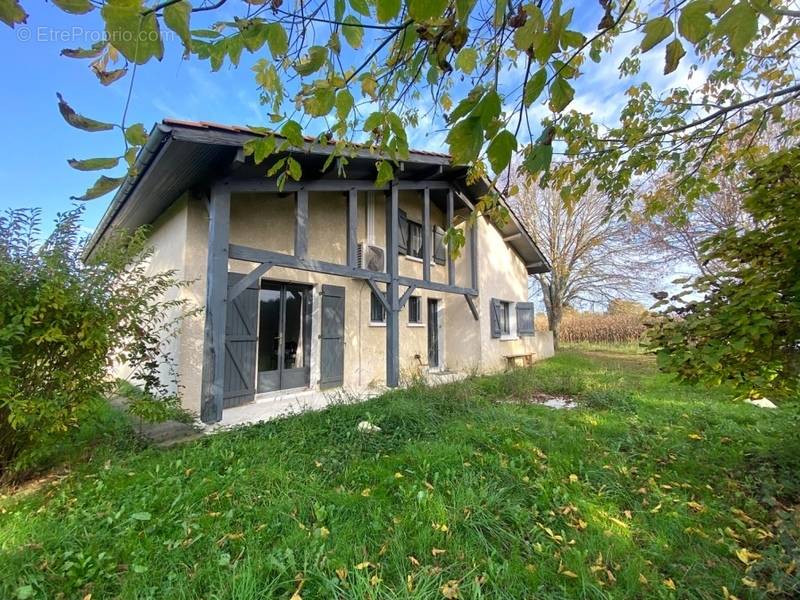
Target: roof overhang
<point>180,156</point>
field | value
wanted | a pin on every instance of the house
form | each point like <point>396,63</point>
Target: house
<point>328,282</point>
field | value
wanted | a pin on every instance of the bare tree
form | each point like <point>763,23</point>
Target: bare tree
<point>594,258</point>
<point>679,236</point>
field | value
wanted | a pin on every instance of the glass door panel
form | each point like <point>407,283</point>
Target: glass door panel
<point>282,355</point>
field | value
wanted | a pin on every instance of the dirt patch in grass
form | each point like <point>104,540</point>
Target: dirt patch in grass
<point>558,401</point>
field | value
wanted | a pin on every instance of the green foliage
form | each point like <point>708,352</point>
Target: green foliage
<point>741,324</point>
<point>498,63</point>
<point>531,499</point>
<point>63,323</point>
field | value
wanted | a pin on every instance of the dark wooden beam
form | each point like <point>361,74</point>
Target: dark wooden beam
<point>426,234</point>
<point>379,294</point>
<point>451,265</point>
<point>279,259</point>
<point>471,305</point>
<point>473,253</point>
<point>264,184</point>
<point>393,315</point>
<point>352,227</point>
<point>301,224</point>
<point>248,280</point>
<point>406,295</point>
<point>213,376</point>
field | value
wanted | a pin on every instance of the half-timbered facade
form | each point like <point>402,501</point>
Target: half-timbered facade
<point>328,282</point>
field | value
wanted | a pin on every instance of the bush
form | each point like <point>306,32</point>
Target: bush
<point>740,325</point>
<point>63,324</point>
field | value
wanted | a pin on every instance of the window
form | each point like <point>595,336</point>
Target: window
<point>505,318</point>
<point>502,319</point>
<point>414,311</point>
<point>414,239</point>
<point>377,314</point>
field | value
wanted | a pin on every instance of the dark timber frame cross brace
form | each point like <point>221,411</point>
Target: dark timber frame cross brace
<point>220,250</point>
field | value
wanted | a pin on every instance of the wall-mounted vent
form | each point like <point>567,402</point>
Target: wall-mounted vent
<point>372,258</point>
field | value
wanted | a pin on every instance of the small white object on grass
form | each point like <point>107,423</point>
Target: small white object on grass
<point>557,403</point>
<point>762,403</point>
<point>367,427</point>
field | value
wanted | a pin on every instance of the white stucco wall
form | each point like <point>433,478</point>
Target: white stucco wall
<point>267,221</point>
<point>168,238</point>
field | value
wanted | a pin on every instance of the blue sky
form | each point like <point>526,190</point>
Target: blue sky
<point>33,169</point>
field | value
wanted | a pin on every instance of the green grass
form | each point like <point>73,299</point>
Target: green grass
<point>647,482</point>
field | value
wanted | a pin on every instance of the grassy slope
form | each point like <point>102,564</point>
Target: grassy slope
<point>611,500</point>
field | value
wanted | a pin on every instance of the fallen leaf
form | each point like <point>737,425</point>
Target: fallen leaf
<point>398,475</point>
<point>366,492</point>
<point>342,573</point>
<point>643,579</point>
<point>450,589</point>
<point>746,556</point>
<point>695,506</point>
<point>695,436</point>
<point>413,560</point>
<point>363,565</point>
<point>573,478</point>
<point>569,574</point>
<point>749,582</point>
<point>375,580</point>
<point>437,551</point>
<point>669,583</point>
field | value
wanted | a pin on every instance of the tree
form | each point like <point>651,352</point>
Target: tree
<point>366,70</point>
<point>593,258</point>
<point>743,325</point>
<point>679,235</point>
<point>62,323</point>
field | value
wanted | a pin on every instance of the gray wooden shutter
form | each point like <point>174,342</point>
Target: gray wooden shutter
<point>494,312</point>
<point>331,348</point>
<point>525,318</point>
<point>439,251</point>
<point>241,343</point>
<point>402,224</point>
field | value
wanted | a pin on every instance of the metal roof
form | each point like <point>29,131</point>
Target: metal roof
<point>182,155</point>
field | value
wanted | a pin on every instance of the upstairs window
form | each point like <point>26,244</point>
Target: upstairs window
<point>414,239</point>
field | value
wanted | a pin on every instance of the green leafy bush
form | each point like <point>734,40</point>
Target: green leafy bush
<point>63,324</point>
<point>742,324</point>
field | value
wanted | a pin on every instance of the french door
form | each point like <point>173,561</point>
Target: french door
<point>434,360</point>
<point>284,328</point>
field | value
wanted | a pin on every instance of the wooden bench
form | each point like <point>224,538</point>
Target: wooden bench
<point>516,360</point>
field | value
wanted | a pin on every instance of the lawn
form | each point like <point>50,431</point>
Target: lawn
<point>648,489</point>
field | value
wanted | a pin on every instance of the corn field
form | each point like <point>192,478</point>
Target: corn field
<point>597,327</point>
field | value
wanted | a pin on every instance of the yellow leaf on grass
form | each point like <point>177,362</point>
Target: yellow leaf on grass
<point>695,436</point>
<point>695,506</point>
<point>569,574</point>
<point>342,573</point>
<point>366,492</point>
<point>363,565</point>
<point>643,579</point>
<point>727,595</point>
<point>413,560</point>
<point>669,583</point>
<point>450,589</point>
<point>398,475</point>
<point>746,556</point>
<point>375,580</point>
<point>749,582</point>
<point>437,551</point>
<point>656,508</point>
<point>573,478</point>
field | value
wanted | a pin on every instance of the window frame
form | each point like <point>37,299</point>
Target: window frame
<point>374,303</point>
<point>415,301</point>
<point>505,319</point>
<point>410,251</point>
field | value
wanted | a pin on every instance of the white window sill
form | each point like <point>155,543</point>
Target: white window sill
<point>416,324</point>
<point>509,338</point>
<point>374,324</point>
<point>418,260</point>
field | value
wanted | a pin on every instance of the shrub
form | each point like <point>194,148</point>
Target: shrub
<point>741,324</point>
<point>63,324</point>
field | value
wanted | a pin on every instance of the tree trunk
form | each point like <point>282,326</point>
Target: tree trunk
<point>553,307</point>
